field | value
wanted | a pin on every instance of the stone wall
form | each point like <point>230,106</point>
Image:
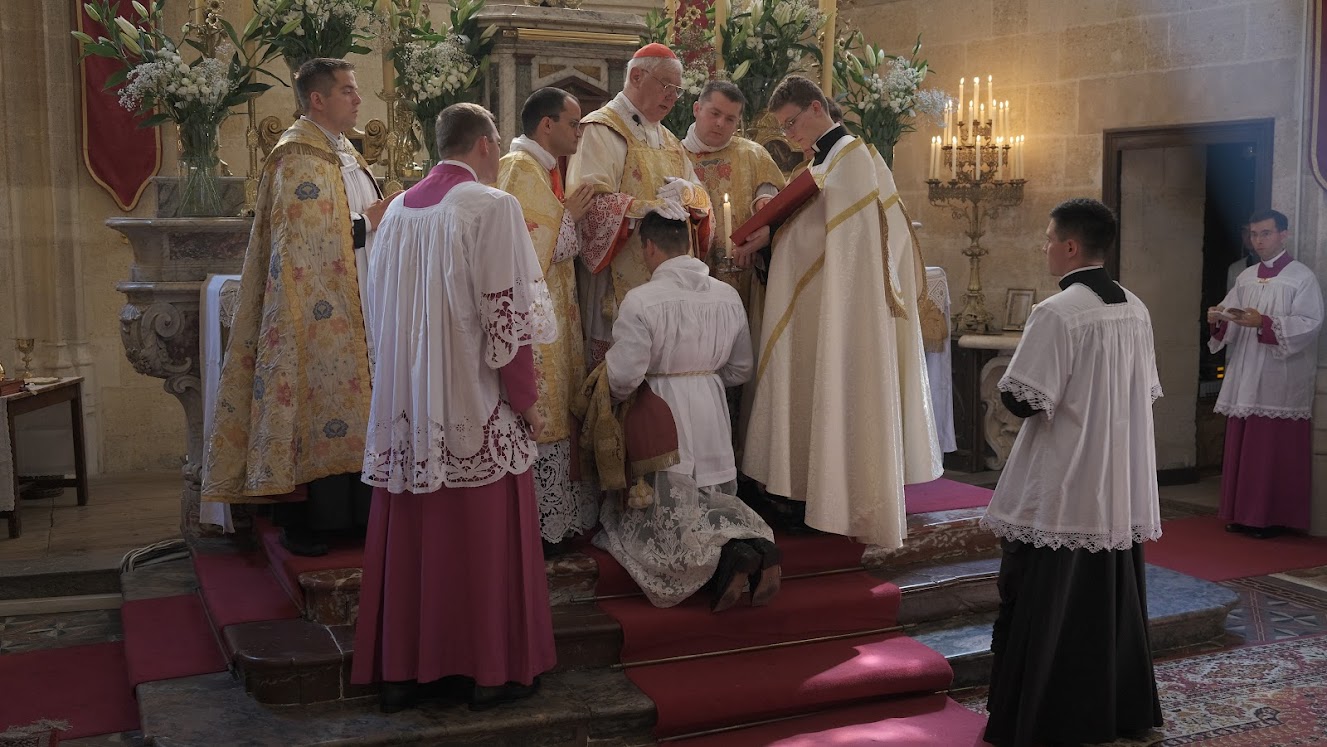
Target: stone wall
<point>1074,68</point>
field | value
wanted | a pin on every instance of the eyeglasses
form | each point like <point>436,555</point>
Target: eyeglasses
<point>1262,234</point>
<point>669,89</point>
<point>786,127</point>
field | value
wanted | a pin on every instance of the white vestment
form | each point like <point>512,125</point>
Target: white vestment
<point>1272,381</point>
<point>1082,474</point>
<point>842,415</point>
<point>685,333</point>
<point>446,271</point>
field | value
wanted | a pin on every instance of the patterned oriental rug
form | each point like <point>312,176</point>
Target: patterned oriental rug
<point>1256,696</point>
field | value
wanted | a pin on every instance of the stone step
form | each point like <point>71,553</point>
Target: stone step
<point>1183,612</point>
<point>601,706</point>
<point>300,661</point>
<point>331,597</point>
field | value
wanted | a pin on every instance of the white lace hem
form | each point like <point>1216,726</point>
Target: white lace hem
<point>514,317</point>
<point>417,459</point>
<point>1024,393</point>
<point>566,507</point>
<point>1117,539</point>
<point>1156,392</point>
<point>1250,411</point>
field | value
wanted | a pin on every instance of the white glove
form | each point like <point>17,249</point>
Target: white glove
<point>675,188</point>
<point>671,208</point>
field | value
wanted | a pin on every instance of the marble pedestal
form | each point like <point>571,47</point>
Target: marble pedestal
<point>159,321</point>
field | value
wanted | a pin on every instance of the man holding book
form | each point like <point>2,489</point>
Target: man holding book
<point>840,387</point>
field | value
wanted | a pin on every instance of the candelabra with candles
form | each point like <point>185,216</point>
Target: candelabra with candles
<point>976,170</point>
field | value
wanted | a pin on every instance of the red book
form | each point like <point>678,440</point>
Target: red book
<point>779,209</point>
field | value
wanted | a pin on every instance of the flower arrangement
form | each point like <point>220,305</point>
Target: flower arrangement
<point>436,69</point>
<point>881,93</point>
<point>300,30</point>
<point>764,41</point>
<point>690,35</point>
<point>159,85</point>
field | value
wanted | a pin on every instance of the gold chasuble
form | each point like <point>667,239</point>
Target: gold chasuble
<point>841,417</point>
<point>736,170</point>
<point>608,238</point>
<point>560,365</point>
<point>293,401</point>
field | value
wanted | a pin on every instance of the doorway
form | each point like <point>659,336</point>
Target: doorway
<point>1182,194</point>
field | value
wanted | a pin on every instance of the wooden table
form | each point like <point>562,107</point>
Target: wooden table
<point>68,390</point>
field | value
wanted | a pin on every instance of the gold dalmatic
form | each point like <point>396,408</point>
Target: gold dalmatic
<point>560,364</point>
<point>737,170</point>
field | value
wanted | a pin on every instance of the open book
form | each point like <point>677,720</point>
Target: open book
<point>779,209</point>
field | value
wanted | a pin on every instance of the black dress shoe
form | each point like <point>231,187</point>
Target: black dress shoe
<point>394,697</point>
<point>1263,533</point>
<point>483,698</point>
<point>1237,528</point>
<point>737,562</point>
<point>452,689</point>
<point>555,549</point>
<point>303,543</point>
<point>765,582</point>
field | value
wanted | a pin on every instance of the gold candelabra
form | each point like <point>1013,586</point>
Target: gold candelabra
<point>976,170</point>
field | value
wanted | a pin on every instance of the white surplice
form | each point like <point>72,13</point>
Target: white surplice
<point>686,333</point>
<point>1272,381</point>
<point>465,264</point>
<point>1082,473</point>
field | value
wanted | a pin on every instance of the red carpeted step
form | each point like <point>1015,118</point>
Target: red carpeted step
<point>240,588</point>
<point>700,694</point>
<point>88,686</point>
<point>805,608</point>
<point>920,721</point>
<point>167,638</point>
<point>944,495</point>
<point>288,566</point>
<point>1200,546</point>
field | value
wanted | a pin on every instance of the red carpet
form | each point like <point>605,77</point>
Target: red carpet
<point>923,721</point>
<point>288,566</point>
<point>1200,546</point>
<point>169,637</point>
<point>240,588</point>
<point>702,694</point>
<point>805,608</point>
<point>84,685</point>
<point>944,495</point>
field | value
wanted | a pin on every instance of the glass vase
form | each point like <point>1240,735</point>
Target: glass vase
<point>200,165</point>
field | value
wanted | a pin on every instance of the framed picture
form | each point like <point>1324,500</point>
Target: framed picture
<point>1018,304</point>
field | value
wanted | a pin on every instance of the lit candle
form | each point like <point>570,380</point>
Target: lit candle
<point>981,113</point>
<point>949,115</point>
<point>935,157</point>
<point>727,226</point>
<point>200,14</point>
<point>953,159</point>
<point>990,91</point>
<point>962,102</point>
<point>976,92</point>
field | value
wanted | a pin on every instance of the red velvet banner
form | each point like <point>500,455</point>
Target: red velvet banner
<point>1318,148</point>
<point>119,155</point>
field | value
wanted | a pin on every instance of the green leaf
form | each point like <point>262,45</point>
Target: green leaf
<point>290,27</point>
<point>156,120</point>
<point>117,78</point>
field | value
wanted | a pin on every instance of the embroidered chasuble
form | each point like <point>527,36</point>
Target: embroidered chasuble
<point>739,170</point>
<point>566,506</point>
<point>841,416</point>
<point>293,400</point>
<point>626,188</point>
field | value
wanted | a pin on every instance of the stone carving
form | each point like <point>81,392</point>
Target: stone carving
<point>160,340</point>
<point>1000,426</point>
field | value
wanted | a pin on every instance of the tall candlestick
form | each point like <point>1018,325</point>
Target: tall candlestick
<point>976,92</point>
<point>727,226</point>
<point>981,113</point>
<point>962,102</point>
<point>990,91</point>
<point>199,13</point>
<point>720,17</point>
